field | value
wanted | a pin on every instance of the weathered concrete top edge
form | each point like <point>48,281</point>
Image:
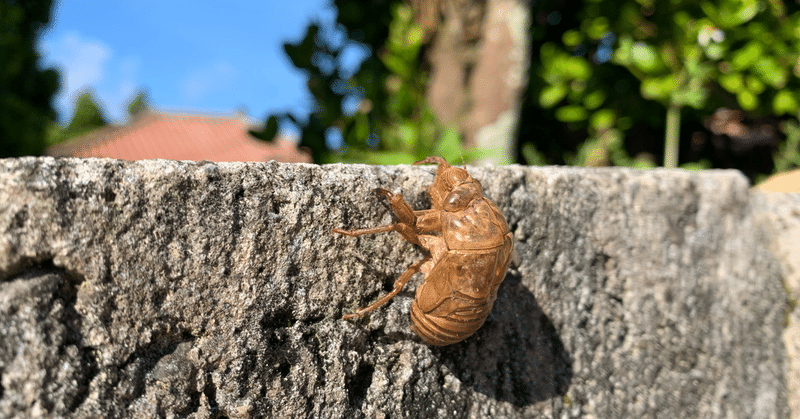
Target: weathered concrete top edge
<point>551,168</point>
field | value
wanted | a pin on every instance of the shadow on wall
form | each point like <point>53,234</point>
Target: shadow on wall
<point>517,356</point>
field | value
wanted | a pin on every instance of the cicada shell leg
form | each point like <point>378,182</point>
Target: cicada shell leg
<point>398,286</point>
<point>403,211</point>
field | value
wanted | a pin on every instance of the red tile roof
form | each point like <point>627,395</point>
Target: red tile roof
<point>180,136</point>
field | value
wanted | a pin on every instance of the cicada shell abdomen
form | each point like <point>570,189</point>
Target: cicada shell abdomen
<point>459,293</point>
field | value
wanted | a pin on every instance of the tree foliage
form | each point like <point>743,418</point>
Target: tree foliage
<point>633,83</point>
<point>614,70</point>
<point>139,103</point>
<point>378,114</point>
<point>86,118</point>
<point>26,91</point>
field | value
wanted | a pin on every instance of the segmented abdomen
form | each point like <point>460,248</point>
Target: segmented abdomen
<point>459,293</point>
<point>466,317</point>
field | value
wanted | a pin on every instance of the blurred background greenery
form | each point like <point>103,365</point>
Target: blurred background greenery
<point>640,83</point>
<point>644,83</point>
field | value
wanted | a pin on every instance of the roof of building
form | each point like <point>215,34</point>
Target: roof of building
<point>180,136</point>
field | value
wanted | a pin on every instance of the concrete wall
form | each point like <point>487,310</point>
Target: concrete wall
<point>196,289</point>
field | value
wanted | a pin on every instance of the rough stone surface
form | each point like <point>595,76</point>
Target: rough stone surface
<point>781,221</point>
<point>194,289</point>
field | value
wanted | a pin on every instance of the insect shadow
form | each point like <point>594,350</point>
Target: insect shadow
<point>517,356</point>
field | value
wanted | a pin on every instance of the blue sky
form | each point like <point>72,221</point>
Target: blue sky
<point>190,56</point>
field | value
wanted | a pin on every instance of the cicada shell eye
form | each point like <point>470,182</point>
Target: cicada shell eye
<point>461,197</point>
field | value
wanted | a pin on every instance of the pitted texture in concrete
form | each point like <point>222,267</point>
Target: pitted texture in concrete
<point>194,289</point>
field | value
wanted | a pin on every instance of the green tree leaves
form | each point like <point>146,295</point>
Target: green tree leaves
<point>87,117</point>
<point>391,122</point>
<point>25,90</point>
<point>684,54</point>
<point>139,103</point>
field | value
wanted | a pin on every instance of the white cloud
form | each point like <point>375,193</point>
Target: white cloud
<point>82,61</point>
<point>215,78</point>
<point>90,64</point>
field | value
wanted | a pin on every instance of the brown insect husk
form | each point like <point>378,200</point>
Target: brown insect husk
<point>469,248</point>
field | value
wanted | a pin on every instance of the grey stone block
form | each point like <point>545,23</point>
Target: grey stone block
<point>195,289</point>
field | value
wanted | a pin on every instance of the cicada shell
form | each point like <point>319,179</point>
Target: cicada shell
<point>468,249</point>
